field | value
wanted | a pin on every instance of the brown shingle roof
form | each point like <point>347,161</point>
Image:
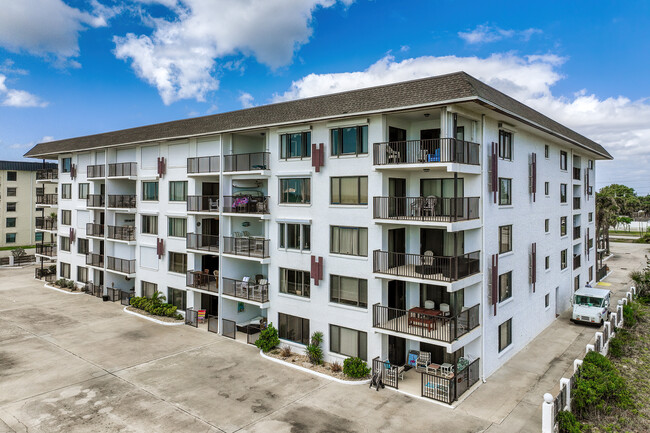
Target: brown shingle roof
<point>442,88</point>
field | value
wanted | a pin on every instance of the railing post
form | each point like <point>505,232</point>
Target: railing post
<point>566,383</point>
<point>548,423</point>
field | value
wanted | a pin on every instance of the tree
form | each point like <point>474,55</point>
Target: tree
<point>19,254</point>
<point>607,210</point>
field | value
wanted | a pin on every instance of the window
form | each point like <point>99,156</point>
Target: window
<point>591,273</point>
<point>66,217</point>
<point>547,225</point>
<point>64,270</point>
<point>177,297</point>
<point>82,274</point>
<point>82,246</point>
<point>349,141</point>
<point>294,282</point>
<point>40,191</point>
<point>83,191</point>
<point>563,160</point>
<point>66,190</point>
<point>590,164</point>
<point>348,342</point>
<point>10,238</point>
<point>293,328</point>
<point>505,194</point>
<point>38,236</point>
<point>547,300</point>
<point>64,243</point>
<point>149,224</point>
<point>591,216</point>
<point>150,191</point>
<point>177,227</point>
<point>505,239</point>
<point>295,236</point>
<point>66,165</point>
<point>349,190</point>
<point>297,145</point>
<point>547,188</point>
<point>505,334</point>
<point>11,176</point>
<point>11,192</point>
<point>148,289</point>
<point>11,222</point>
<point>547,262</point>
<point>505,145</point>
<point>563,197</point>
<point>11,206</point>
<point>590,244</point>
<point>563,259</point>
<point>295,190</point>
<point>177,262</point>
<point>563,226</point>
<point>349,240</point>
<point>505,286</point>
<point>178,191</point>
<point>547,151</point>
<point>349,291</point>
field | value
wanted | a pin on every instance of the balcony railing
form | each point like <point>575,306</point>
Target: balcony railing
<point>448,389</point>
<point>426,208</point>
<point>202,280</point>
<point>197,241</point>
<point>126,266</point>
<point>122,201</point>
<point>95,200</point>
<point>47,199</point>
<point>251,247</point>
<point>121,233</point>
<point>98,170</point>
<point>426,267</point>
<point>122,169</point>
<point>601,273</point>
<point>44,274</point>
<point>246,161</point>
<point>576,233</point>
<point>246,204</point>
<point>576,202</point>
<point>47,174</point>
<point>203,164</point>
<point>576,261</point>
<point>96,230</point>
<point>576,173</point>
<point>246,290</point>
<point>45,223</point>
<point>425,323</point>
<point>46,250</point>
<point>203,203</point>
<point>96,260</point>
<point>426,152</point>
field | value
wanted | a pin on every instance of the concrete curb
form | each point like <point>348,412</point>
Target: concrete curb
<point>63,291</point>
<point>160,322</point>
<point>316,373</point>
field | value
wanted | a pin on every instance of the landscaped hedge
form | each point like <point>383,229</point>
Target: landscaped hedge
<point>155,306</point>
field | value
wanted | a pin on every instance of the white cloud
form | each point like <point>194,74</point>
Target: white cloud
<point>484,34</point>
<point>178,58</point>
<point>246,100</point>
<point>31,143</point>
<point>18,98</point>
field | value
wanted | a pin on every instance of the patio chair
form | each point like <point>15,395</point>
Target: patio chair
<point>261,206</point>
<point>427,260</point>
<point>246,234</point>
<point>423,361</point>
<point>237,234</point>
<point>416,207</point>
<point>213,205</point>
<point>257,293</point>
<point>392,155</point>
<point>201,316</point>
<point>429,206</point>
<point>242,287</point>
<point>394,371</point>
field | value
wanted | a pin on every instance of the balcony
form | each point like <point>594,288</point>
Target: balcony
<point>46,250</point>
<point>246,204</point>
<point>427,152</point>
<point>576,261</point>
<point>45,274</point>
<point>576,233</point>
<point>203,165</point>
<point>246,290</point>
<point>433,209</point>
<point>576,203</point>
<point>576,173</point>
<point>96,260</point>
<point>95,230</point>
<point>121,233</point>
<point>203,203</point>
<point>45,224</point>
<point>203,281</point>
<point>427,267</point>
<point>97,171</point>
<point>47,174</point>
<point>425,323</point>
<point>95,200</point>
<point>122,201</point>
<point>257,161</point>
<point>123,169</point>
<point>200,242</point>
<point>123,266</point>
<point>257,247</point>
<point>47,199</point>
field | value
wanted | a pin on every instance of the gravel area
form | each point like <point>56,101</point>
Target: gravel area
<point>303,361</point>
<point>161,318</point>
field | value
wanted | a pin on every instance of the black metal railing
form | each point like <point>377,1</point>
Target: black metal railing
<point>203,164</point>
<point>246,204</point>
<point>96,260</point>
<point>576,233</point>
<point>42,273</point>
<point>576,261</point>
<point>426,267</point>
<point>202,280</point>
<point>576,173</point>
<point>229,328</point>
<point>246,161</point>
<point>98,170</point>
<point>96,290</point>
<point>95,200</point>
<point>253,333</point>
<point>251,247</point>
<point>47,199</point>
<point>45,223</point>
<point>448,389</point>
<point>426,152</point>
<point>120,169</point>
<point>195,241</point>
<point>126,266</point>
<point>426,208</point>
<point>192,317</point>
<point>46,250</point>
<point>203,203</point>
<point>123,201</point>
<point>246,290</point>
<point>576,202</point>
<point>121,233</point>
<point>125,298</point>
<point>96,230</point>
<point>213,324</point>
<point>47,174</point>
<point>389,374</point>
<point>425,324</point>
<point>113,294</point>
<point>601,273</point>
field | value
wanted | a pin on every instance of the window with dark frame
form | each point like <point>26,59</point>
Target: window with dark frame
<point>178,190</point>
<point>66,217</point>
<point>348,342</point>
<point>12,176</point>
<point>177,297</point>
<point>547,151</point>
<point>177,262</point>
<point>349,291</point>
<point>505,239</point>
<point>293,328</point>
<point>563,259</point>
<point>547,300</point>
<point>149,224</point>
<point>150,191</point>
<point>64,243</point>
<point>82,246</point>
<point>82,274</point>
<point>349,190</point>
<point>352,241</point>
<point>547,188</point>
<point>64,270</point>
<point>505,191</point>
<point>66,191</point>
<point>83,191</point>
<point>563,194</point>
<point>505,145</point>
<point>295,236</point>
<point>505,334</point>
<point>349,140</point>
<point>547,225</point>
<point>11,206</point>
<point>295,190</point>
<point>177,227</point>
<point>10,238</point>
<point>11,192</point>
<point>295,282</point>
<point>66,165</point>
<point>148,289</point>
<point>563,226</point>
<point>10,222</point>
<point>295,145</point>
<point>591,273</point>
<point>563,160</point>
<point>505,286</point>
<point>547,262</point>
<point>38,236</point>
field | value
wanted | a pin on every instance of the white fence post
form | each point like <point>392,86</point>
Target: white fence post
<point>599,335</point>
<point>567,384</point>
<point>589,348</point>
<point>576,365</point>
<point>628,297</point>
<point>548,423</point>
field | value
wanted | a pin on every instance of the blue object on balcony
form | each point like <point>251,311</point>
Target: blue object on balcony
<point>435,157</point>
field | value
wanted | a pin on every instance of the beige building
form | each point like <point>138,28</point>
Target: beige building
<point>18,211</point>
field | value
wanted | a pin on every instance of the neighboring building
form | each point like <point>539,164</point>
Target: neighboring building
<point>18,191</point>
<point>437,215</point>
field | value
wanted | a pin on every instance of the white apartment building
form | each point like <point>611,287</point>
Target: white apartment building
<point>437,215</point>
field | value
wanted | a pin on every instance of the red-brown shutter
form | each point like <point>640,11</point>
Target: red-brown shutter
<point>317,156</point>
<point>533,188</point>
<point>495,281</point>
<point>161,166</point>
<point>533,265</point>
<point>316,269</point>
<point>160,248</point>
<point>495,169</point>
<point>72,234</point>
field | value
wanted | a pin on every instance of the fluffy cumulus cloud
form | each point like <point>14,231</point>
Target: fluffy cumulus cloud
<point>180,56</point>
<point>17,98</point>
<point>247,100</point>
<point>484,33</point>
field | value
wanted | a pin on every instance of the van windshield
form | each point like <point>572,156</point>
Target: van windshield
<point>589,301</point>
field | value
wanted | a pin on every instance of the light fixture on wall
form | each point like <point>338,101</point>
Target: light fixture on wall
<point>245,224</point>
<point>427,114</point>
<point>198,223</point>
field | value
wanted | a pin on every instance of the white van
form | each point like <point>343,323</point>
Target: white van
<point>590,305</point>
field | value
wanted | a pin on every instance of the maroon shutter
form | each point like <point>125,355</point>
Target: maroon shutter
<point>495,281</point>
<point>160,248</point>
<point>73,171</point>
<point>315,157</point>
<point>534,179</point>
<point>161,166</point>
<point>72,234</point>
<point>533,265</point>
<point>495,169</point>
<point>316,269</point>
<point>321,154</point>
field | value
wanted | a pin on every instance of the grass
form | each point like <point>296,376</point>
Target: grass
<point>625,232</point>
<point>25,247</point>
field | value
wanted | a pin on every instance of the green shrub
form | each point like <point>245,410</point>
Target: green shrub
<point>70,284</point>
<point>313,350</point>
<point>268,338</point>
<point>155,307</point>
<point>355,367</point>
<point>630,314</point>
<point>618,343</point>
<point>567,423</point>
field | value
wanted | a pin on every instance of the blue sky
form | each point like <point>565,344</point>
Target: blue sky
<point>71,68</point>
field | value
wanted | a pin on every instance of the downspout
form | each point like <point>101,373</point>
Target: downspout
<point>483,285</point>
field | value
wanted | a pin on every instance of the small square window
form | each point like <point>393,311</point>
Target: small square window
<point>547,300</point>
<point>10,238</point>
<point>11,176</point>
<point>563,194</point>
<point>505,239</point>
<point>563,160</point>
<point>11,206</point>
<point>547,262</point>
<point>547,151</point>
<point>547,225</point>
<point>11,222</point>
<point>505,191</point>
<point>547,188</point>
<point>505,334</point>
<point>505,145</point>
<point>11,192</point>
